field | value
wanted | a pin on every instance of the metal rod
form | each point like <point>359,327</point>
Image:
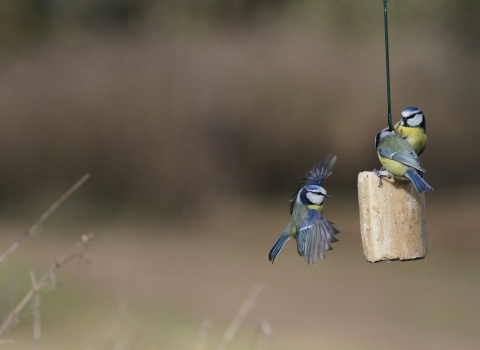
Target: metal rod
<point>385,17</point>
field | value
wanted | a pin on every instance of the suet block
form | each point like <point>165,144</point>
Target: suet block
<point>392,219</point>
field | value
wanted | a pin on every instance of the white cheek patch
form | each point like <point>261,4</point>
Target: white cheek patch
<point>415,121</point>
<point>315,198</point>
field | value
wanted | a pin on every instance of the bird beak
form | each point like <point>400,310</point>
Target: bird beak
<point>327,196</point>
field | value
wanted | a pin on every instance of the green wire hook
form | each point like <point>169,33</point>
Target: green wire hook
<point>385,18</point>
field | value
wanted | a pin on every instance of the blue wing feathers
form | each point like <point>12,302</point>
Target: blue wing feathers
<point>315,176</point>
<point>407,158</point>
<point>315,236</point>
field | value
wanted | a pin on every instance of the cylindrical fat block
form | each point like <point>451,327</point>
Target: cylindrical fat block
<point>392,219</point>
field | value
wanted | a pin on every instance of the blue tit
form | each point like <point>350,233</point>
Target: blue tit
<point>412,128</point>
<point>313,232</point>
<point>399,159</point>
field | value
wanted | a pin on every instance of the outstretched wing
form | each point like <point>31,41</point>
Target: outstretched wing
<point>315,236</point>
<point>315,176</point>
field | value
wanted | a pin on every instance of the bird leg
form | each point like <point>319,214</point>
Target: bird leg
<point>376,172</point>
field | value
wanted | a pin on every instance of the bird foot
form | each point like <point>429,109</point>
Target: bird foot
<point>376,172</point>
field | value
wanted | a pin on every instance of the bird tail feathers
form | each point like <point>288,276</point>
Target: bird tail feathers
<point>278,247</point>
<point>419,183</point>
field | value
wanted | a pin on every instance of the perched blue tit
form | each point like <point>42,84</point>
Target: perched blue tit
<point>412,128</point>
<point>399,158</point>
<point>313,232</point>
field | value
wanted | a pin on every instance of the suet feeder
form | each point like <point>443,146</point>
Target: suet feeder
<point>392,216</point>
<point>392,219</point>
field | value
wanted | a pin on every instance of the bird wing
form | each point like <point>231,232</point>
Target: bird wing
<point>407,158</point>
<point>314,237</point>
<point>315,176</point>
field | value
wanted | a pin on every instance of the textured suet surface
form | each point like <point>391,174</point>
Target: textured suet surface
<point>392,219</point>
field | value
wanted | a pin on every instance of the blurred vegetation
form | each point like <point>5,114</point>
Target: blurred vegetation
<point>25,20</point>
<point>170,104</point>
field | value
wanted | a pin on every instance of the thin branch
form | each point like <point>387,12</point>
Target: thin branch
<point>32,231</point>
<point>42,282</point>
<point>267,329</point>
<point>113,336</point>
<point>37,329</point>
<point>203,334</point>
<point>240,316</point>
<point>263,328</point>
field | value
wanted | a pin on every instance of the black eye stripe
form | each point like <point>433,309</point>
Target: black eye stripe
<point>318,192</point>
<point>412,115</point>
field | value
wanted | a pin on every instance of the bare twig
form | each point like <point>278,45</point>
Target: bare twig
<point>32,231</point>
<point>240,316</point>
<point>69,255</point>
<point>267,329</point>
<point>113,336</point>
<point>263,328</point>
<point>7,302</point>
<point>203,334</point>
<point>37,330</point>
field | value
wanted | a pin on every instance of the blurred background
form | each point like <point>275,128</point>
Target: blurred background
<point>196,120</point>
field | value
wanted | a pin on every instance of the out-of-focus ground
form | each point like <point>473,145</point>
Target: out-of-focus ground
<point>179,275</point>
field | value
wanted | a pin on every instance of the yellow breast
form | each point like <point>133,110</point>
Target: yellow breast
<point>416,137</point>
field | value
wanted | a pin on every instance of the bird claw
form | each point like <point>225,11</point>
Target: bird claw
<point>376,172</point>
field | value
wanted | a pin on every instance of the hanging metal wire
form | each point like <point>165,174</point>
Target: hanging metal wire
<point>385,22</point>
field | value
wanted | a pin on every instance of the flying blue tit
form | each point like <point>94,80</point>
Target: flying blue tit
<point>399,159</point>
<point>412,128</point>
<point>313,232</point>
